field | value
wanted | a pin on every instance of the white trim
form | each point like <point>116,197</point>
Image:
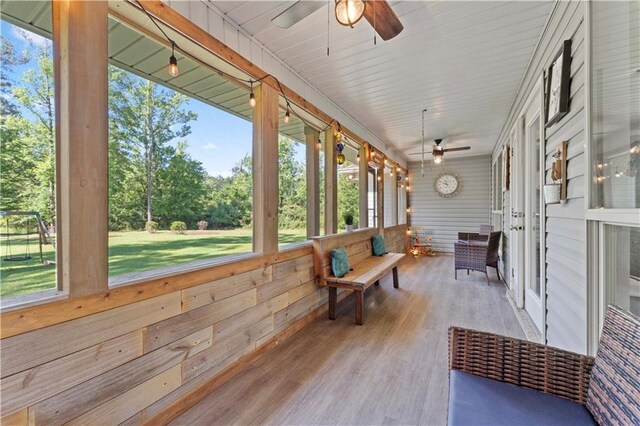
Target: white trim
<point>619,216</point>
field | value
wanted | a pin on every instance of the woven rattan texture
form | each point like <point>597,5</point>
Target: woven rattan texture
<point>532,365</point>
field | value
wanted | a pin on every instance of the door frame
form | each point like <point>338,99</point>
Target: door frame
<point>521,203</point>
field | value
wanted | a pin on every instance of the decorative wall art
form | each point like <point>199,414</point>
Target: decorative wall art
<point>558,85</point>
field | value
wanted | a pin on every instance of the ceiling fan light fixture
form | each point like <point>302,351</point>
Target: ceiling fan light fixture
<point>349,12</point>
<point>437,157</point>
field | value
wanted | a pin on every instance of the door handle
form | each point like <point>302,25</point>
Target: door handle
<point>516,228</point>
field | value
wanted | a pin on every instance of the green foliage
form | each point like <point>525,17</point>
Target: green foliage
<point>151,227</point>
<point>348,218</point>
<point>292,182</point>
<point>178,227</point>
<point>230,203</point>
<point>348,198</point>
<point>27,155</point>
<point>143,118</point>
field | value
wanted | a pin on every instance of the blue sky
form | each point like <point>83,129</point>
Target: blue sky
<point>218,139</point>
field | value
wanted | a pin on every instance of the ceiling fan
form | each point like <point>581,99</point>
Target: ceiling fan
<point>348,13</point>
<point>438,151</point>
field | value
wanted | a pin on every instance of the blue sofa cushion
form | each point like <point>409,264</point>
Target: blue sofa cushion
<point>475,400</point>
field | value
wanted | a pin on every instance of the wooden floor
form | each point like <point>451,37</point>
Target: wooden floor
<point>391,370</point>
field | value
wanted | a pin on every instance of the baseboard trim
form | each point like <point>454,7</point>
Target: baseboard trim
<point>190,399</point>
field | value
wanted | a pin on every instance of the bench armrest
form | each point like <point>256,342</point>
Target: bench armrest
<point>520,362</point>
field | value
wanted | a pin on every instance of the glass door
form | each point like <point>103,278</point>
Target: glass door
<point>533,279</point>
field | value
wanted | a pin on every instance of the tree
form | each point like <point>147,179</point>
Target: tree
<point>31,136</point>
<point>230,203</point>
<point>348,196</point>
<point>16,167</point>
<point>181,188</point>
<point>292,181</point>
<point>144,118</point>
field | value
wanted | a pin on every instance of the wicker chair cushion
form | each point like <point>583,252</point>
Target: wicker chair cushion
<point>614,390</point>
<point>475,400</point>
<point>377,243</point>
<point>339,262</point>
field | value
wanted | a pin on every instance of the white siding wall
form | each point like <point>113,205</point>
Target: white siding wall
<point>565,255</point>
<point>464,212</point>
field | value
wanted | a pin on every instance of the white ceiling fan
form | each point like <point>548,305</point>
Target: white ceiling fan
<point>348,12</point>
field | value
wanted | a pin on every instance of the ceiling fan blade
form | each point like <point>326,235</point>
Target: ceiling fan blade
<point>462,148</point>
<point>296,13</point>
<point>383,19</point>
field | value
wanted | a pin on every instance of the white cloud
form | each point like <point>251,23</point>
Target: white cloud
<point>210,146</point>
<point>29,37</point>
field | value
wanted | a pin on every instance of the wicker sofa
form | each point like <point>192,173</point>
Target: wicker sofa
<point>499,380</point>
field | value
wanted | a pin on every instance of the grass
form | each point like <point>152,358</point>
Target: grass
<point>129,252</point>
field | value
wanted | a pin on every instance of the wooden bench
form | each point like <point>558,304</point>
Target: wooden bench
<point>366,269</point>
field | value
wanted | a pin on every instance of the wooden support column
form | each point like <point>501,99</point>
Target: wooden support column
<point>394,197</point>
<point>80,44</point>
<point>313,181</point>
<point>265,170</point>
<point>330,184</point>
<point>363,182</point>
<point>380,206</point>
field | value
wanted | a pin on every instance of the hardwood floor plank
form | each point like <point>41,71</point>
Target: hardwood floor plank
<point>391,370</point>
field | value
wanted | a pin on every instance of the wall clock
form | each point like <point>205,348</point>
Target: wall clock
<point>447,184</point>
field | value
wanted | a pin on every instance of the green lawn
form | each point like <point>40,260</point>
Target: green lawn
<point>129,252</point>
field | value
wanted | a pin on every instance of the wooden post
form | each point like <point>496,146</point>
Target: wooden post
<point>313,181</point>
<point>330,184</point>
<point>80,44</point>
<point>380,189</point>
<point>363,183</point>
<point>394,198</point>
<point>265,170</point>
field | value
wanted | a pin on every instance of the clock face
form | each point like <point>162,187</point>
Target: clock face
<point>447,184</point>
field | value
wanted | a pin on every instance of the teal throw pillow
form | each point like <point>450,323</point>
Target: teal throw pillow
<point>339,262</point>
<point>378,245</point>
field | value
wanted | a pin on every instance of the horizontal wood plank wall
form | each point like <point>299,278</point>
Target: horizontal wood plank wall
<point>565,252</point>
<point>395,239</point>
<point>130,362</point>
<point>464,212</point>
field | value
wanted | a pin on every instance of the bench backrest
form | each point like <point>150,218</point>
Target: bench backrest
<point>356,243</point>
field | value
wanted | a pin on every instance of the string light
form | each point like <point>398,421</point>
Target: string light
<point>358,158</point>
<point>173,62</point>
<point>174,72</point>
<point>287,115</point>
<point>252,97</point>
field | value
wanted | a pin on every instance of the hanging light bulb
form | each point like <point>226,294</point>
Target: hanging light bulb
<point>173,62</point>
<point>252,97</point>
<point>287,115</point>
<point>349,12</point>
<point>358,158</point>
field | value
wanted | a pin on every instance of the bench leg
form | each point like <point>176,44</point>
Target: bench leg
<point>395,277</point>
<point>359,295</point>
<point>333,300</point>
<point>377,283</point>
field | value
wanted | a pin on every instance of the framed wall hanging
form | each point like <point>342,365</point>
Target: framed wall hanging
<point>558,85</point>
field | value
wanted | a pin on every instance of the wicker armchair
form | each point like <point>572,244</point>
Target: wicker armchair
<point>495,379</point>
<point>520,362</point>
<point>483,235</point>
<point>476,253</point>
